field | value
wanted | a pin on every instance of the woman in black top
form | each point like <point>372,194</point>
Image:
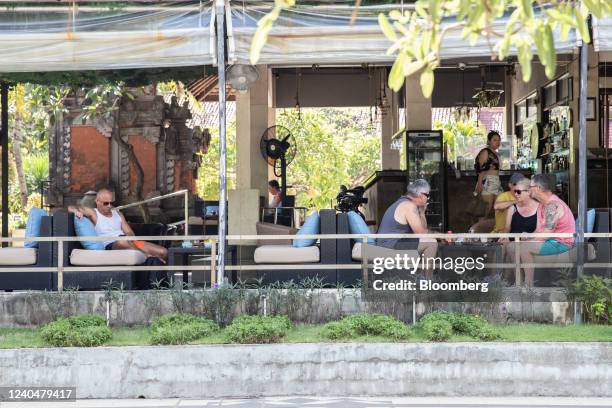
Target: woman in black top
<point>522,216</point>
<point>487,167</point>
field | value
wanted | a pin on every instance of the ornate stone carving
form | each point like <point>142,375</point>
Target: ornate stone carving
<point>141,112</point>
<point>182,142</point>
<point>66,155</point>
<point>170,175</point>
<point>150,133</point>
<point>166,126</point>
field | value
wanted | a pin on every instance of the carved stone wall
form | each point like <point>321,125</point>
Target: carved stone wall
<point>167,150</point>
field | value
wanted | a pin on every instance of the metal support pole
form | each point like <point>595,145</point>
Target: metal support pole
<point>5,164</point>
<point>220,15</point>
<point>186,213</point>
<point>582,173</point>
<point>517,262</point>
<point>213,263</point>
<point>60,265</point>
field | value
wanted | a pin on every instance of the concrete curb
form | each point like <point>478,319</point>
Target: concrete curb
<point>322,369</point>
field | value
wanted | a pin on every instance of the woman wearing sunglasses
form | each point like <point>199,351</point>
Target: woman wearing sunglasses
<point>523,215</point>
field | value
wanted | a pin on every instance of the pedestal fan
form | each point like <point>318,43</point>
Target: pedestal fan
<point>278,149</point>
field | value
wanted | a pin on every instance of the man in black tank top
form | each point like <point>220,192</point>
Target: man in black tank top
<point>407,216</point>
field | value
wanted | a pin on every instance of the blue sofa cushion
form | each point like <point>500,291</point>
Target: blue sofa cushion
<point>358,226</point>
<point>312,225</point>
<point>33,226</point>
<point>590,220</point>
<point>85,228</point>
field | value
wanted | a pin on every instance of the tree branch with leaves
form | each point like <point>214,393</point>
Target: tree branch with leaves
<point>417,35</point>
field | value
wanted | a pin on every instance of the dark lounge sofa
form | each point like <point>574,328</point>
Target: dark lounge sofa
<point>75,255</point>
<point>41,257</point>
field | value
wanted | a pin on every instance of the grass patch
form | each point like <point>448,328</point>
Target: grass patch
<point>181,329</point>
<point>531,332</point>
<point>555,332</point>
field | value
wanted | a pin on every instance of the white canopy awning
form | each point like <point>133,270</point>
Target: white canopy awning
<point>602,34</point>
<point>58,38</point>
<point>307,35</point>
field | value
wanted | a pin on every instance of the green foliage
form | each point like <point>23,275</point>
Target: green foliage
<point>461,138</point>
<point>181,329</point>
<point>258,329</point>
<point>36,169</point>
<point>87,321</point>
<point>103,99</point>
<point>437,330</point>
<point>595,293</point>
<point>32,109</point>
<point>435,325</point>
<point>207,184</point>
<point>334,147</point>
<point>88,79</point>
<point>418,34</point>
<point>337,331</point>
<point>364,324</point>
<point>78,331</point>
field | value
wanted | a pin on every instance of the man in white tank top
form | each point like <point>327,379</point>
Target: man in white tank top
<point>109,222</point>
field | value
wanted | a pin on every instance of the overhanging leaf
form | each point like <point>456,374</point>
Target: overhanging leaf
<point>581,25</point>
<point>524,57</point>
<point>386,27</point>
<point>396,76</point>
<point>551,55</point>
<point>527,9</point>
<point>427,82</point>
<point>412,67</point>
<point>594,7</point>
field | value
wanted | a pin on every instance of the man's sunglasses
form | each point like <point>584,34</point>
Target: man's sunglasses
<point>426,194</point>
<point>107,203</point>
<point>519,192</point>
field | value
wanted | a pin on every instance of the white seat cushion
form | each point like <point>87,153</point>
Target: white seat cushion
<point>378,251</point>
<point>17,256</point>
<point>86,257</point>
<point>356,252</point>
<point>286,254</point>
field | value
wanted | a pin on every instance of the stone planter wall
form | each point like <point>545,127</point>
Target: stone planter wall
<point>27,309</point>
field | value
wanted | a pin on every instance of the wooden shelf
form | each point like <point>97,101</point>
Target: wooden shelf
<point>559,153</point>
<point>559,133</point>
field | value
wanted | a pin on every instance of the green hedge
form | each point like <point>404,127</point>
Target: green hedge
<point>364,324</point>
<point>258,329</point>
<point>181,329</point>
<point>78,331</point>
<point>440,326</point>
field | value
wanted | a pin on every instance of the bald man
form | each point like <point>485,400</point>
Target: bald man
<point>109,222</point>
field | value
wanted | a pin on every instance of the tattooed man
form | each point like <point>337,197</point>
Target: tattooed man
<point>554,217</point>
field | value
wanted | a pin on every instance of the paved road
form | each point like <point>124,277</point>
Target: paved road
<point>294,402</point>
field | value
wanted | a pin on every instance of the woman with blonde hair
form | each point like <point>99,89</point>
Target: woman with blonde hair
<point>521,217</point>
